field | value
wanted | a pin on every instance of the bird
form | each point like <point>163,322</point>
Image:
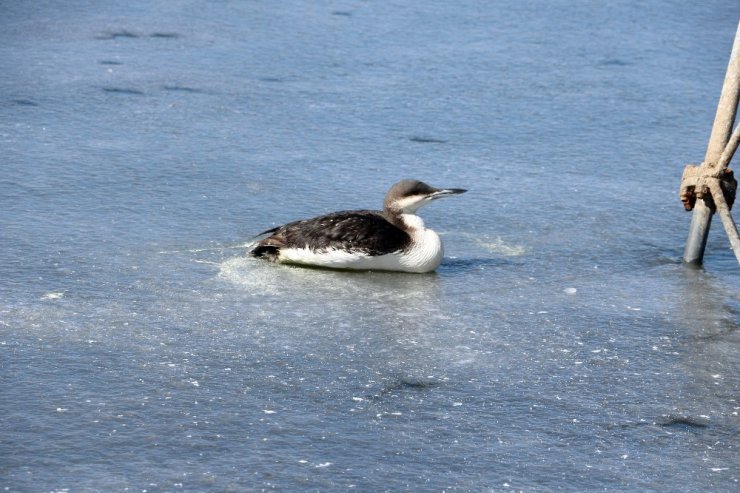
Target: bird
<point>394,239</point>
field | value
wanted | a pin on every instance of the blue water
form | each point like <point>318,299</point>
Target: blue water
<point>561,345</point>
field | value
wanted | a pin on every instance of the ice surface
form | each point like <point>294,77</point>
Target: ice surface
<point>560,345</point>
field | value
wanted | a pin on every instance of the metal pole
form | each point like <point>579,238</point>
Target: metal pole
<point>696,243</point>
<point>701,219</point>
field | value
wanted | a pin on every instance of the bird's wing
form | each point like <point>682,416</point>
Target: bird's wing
<point>357,231</point>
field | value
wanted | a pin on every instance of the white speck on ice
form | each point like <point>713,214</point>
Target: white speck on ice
<point>323,464</point>
<point>457,404</point>
<point>62,409</point>
<point>718,469</point>
<point>270,411</point>
<point>52,296</point>
<point>358,399</point>
<point>570,290</point>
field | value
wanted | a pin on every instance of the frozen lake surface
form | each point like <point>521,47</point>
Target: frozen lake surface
<point>561,345</point>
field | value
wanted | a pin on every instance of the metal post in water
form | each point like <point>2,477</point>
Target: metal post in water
<point>721,130</point>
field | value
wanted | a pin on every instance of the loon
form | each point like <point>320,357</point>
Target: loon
<point>393,239</point>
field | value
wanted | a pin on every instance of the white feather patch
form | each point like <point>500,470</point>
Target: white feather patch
<point>425,255</point>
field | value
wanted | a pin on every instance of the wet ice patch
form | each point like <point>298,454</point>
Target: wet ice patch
<point>263,278</point>
<point>247,273</point>
<point>53,296</point>
<point>678,420</point>
<point>258,277</point>
<point>500,247</point>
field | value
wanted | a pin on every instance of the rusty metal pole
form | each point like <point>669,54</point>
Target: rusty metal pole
<point>701,219</point>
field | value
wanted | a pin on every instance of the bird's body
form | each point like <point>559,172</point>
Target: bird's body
<point>393,239</point>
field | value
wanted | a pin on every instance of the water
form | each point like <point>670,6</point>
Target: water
<point>560,346</point>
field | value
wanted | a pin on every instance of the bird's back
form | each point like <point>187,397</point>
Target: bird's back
<point>362,232</point>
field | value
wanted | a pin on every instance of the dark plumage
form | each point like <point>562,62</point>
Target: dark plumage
<point>368,232</point>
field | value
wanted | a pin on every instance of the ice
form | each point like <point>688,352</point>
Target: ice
<point>145,143</point>
<point>53,296</point>
<point>500,247</point>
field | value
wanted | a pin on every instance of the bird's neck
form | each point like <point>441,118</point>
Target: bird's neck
<point>407,221</point>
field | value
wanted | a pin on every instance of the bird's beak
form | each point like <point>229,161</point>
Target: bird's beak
<point>444,192</point>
